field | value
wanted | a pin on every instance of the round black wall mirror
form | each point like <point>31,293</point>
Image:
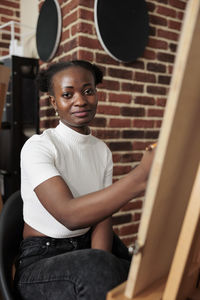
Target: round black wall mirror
<point>48,30</point>
<point>122,27</point>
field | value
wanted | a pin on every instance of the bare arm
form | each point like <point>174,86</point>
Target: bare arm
<point>102,235</point>
<point>95,207</point>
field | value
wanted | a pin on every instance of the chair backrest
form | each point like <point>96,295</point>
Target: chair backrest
<point>11,229</point>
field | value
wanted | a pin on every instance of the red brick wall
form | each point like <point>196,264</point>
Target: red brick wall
<point>133,95</point>
<point>9,11</point>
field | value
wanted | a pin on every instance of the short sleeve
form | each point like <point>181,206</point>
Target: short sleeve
<point>109,169</point>
<point>38,162</point>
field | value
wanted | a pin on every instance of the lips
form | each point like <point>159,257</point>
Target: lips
<point>81,114</point>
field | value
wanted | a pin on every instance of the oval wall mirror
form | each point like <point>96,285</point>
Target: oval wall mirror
<point>122,27</point>
<point>48,30</point>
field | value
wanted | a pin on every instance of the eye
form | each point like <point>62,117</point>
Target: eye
<point>67,95</point>
<point>89,91</point>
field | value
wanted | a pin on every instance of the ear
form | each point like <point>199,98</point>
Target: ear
<point>53,102</point>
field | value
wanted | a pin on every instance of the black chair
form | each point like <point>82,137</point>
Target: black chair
<point>11,228</point>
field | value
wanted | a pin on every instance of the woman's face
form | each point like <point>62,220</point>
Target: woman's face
<point>75,97</point>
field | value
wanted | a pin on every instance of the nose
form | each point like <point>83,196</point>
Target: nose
<point>80,100</point>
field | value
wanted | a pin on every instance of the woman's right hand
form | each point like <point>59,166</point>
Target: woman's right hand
<point>147,160</point>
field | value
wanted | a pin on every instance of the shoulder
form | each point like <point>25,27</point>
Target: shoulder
<point>43,142</point>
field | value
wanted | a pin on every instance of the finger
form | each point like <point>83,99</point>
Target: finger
<point>151,147</point>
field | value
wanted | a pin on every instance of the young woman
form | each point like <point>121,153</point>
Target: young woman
<point>69,250</point>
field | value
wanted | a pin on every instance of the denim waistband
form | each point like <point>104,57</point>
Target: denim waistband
<point>35,248</point>
<point>45,240</point>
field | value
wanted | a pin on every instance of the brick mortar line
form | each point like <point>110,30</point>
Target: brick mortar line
<point>132,235</point>
<point>109,140</point>
<point>10,7</point>
<point>48,118</point>
<point>129,140</point>
<point>158,62</point>
<point>132,92</point>
<point>121,213</point>
<point>77,21</point>
<point>77,35</point>
<point>122,117</point>
<point>122,80</point>
<point>76,9</point>
<point>132,105</point>
<point>118,177</point>
<point>168,18</point>
<point>15,1</point>
<point>154,95</point>
<point>126,164</point>
<point>6,31</point>
<point>70,12</point>
<point>131,68</point>
<point>86,8</point>
<point>90,22</point>
<point>168,5</point>
<point>144,71</point>
<point>68,53</point>
<point>122,129</point>
<point>138,140</point>
<point>121,152</point>
<point>12,18</point>
<point>136,82</point>
<point>161,49</point>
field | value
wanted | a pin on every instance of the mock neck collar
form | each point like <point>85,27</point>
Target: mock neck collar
<point>66,131</point>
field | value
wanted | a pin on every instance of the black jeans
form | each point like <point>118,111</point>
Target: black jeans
<point>68,269</point>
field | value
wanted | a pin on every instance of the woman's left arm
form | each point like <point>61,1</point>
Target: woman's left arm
<point>102,235</point>
<point>102,232</point>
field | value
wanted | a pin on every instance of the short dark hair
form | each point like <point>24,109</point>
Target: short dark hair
<point>44,78</point>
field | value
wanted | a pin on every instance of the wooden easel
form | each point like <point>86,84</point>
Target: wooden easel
<point>167,261</point>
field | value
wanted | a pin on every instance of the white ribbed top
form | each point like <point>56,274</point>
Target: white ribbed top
<point>83,161</point>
